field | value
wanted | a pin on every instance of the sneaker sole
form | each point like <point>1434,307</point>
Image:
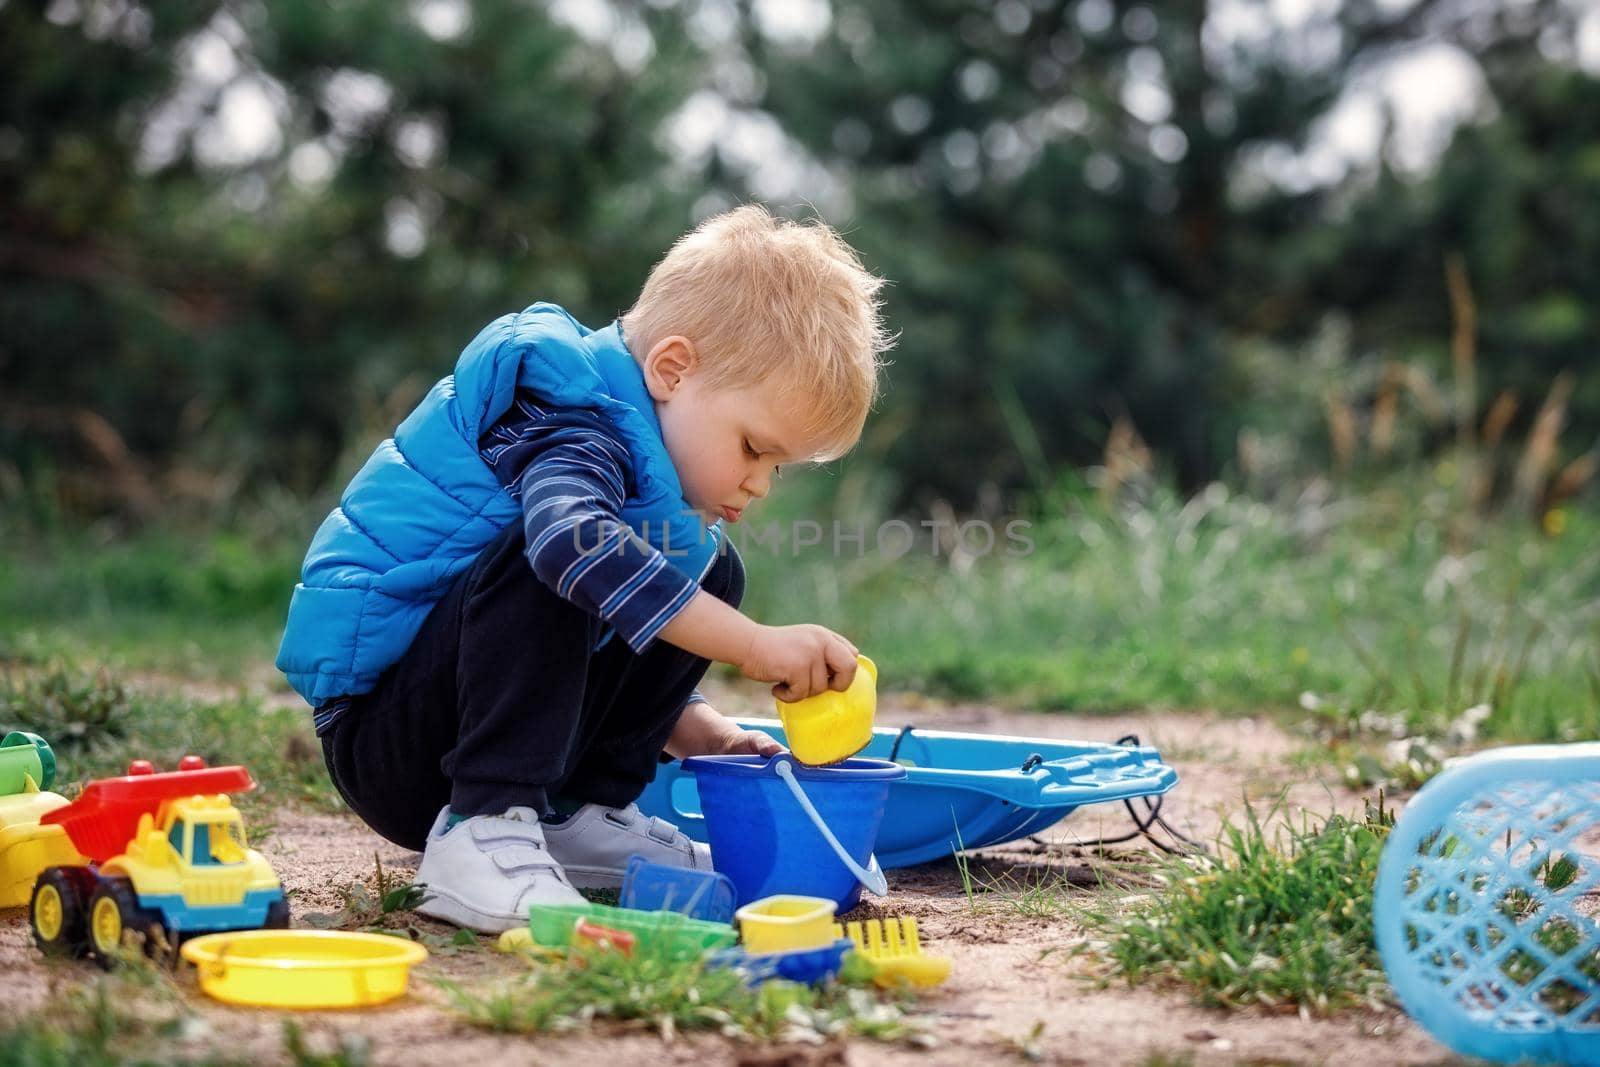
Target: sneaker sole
<point>594,877</point>
<point>449,909</point>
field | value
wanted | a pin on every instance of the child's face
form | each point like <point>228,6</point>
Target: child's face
<point>726,442</point>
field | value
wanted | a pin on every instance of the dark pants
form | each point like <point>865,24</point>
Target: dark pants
<point>502,700</point>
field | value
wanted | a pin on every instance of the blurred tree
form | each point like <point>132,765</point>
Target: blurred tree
<point>236,237</point>
<point>229,232</point>
<point>1077,204</point>
<point>1513,197</point>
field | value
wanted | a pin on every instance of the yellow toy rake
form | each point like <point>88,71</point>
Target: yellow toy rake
<point>894,948</point>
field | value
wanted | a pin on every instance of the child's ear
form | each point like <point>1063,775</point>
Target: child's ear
<point>669,361</point>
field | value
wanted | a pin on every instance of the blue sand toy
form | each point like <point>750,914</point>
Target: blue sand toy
<point>807,966</point>
<point>1483,908</point>
<point>991,789</point>
<point>777,827</point>
<point>650,886</point>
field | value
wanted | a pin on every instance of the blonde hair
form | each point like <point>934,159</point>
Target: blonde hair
<point>764,297</point>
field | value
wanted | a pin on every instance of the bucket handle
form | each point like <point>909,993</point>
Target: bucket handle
<point>870,876</point>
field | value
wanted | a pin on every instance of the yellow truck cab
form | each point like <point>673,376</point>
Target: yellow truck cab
<point>192,854</point>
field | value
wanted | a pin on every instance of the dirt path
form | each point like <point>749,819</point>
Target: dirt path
<point>1010,973</point>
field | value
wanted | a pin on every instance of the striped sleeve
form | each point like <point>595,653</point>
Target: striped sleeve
<point>572,485</point>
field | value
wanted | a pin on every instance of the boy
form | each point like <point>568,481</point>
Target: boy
<point>501,626</point>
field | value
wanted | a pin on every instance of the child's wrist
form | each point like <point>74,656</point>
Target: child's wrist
<point>712,629</point>
<point>748,656</point>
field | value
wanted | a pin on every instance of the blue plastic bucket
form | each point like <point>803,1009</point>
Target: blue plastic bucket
<point>766,842</point>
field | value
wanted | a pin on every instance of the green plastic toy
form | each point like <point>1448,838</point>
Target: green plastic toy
<point>26,763</point>
<point>675,936</point>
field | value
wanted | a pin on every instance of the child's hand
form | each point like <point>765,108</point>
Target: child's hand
<point>802,660</point>
<point>703,731</point>
<point>751,743</point>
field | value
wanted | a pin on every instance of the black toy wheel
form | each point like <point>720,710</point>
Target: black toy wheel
<point>113,910</point>
<point>277,915</point>
<point>59,911</point>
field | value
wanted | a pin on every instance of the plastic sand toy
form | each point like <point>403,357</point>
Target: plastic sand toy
<point>786,924</point>
<point>27,769</point>
<point>604,937</point>
<point>27,763</point>
<point>519,940</point>
<point>516,939</point>
<point>1483,905</point>
<point>650,886</point>
<point>303,968</point>
<point>987,789</point>
<point>163,856</point>
<point>668,933</point>
<point>831,726</point>
<point>806,966</point>
<point>778,827</point>
<point>895,950</point>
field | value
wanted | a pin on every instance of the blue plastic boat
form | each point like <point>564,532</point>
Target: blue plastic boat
<point>991,788</point>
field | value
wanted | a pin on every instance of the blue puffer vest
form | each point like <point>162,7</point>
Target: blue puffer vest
<point>426,504</point>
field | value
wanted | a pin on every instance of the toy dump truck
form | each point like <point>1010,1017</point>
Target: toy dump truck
<point>162,855</point>
<point>27,768</point>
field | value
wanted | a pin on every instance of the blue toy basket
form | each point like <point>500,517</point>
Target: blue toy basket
<point>1487,905</point>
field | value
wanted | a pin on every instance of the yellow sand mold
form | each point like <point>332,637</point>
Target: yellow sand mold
<point>832,726</point>
<point>303,968</point>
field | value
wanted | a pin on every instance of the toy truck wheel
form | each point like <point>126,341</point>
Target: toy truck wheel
<point>277,916</point>
<point>59,910</point>
<point>114,909</point>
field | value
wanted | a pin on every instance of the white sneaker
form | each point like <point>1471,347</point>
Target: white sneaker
<point>486,870</point>
<point>593,845</point>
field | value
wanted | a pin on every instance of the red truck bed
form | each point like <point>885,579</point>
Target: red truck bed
<point>103,819</point>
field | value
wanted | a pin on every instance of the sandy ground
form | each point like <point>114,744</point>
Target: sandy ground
<point>1011,973</point>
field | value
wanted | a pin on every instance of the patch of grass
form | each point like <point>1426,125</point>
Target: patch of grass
<point>1380,596</point>
<point>1029,893</point>
<point>654,991</point>
<point>69,706</point>
<point>375,910</point>
<point>388,907</point>
<point>1281,921</point>
<point>1403,767</point>
<point>97,1026</point>
<point>350,1050</point>
<point>1371,750</point>
<point>90,1027</point>
<point>202,605</point>
<point>96,726</point>
<point>136,1015</point>
<point>1051,885</point>
<point>1034,893</point>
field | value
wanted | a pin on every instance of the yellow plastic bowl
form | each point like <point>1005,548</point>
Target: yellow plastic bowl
<point>786,923</point>
<point>303,968</point>
<point>831,726</point>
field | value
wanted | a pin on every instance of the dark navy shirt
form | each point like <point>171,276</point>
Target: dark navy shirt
<point>571,474</point>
